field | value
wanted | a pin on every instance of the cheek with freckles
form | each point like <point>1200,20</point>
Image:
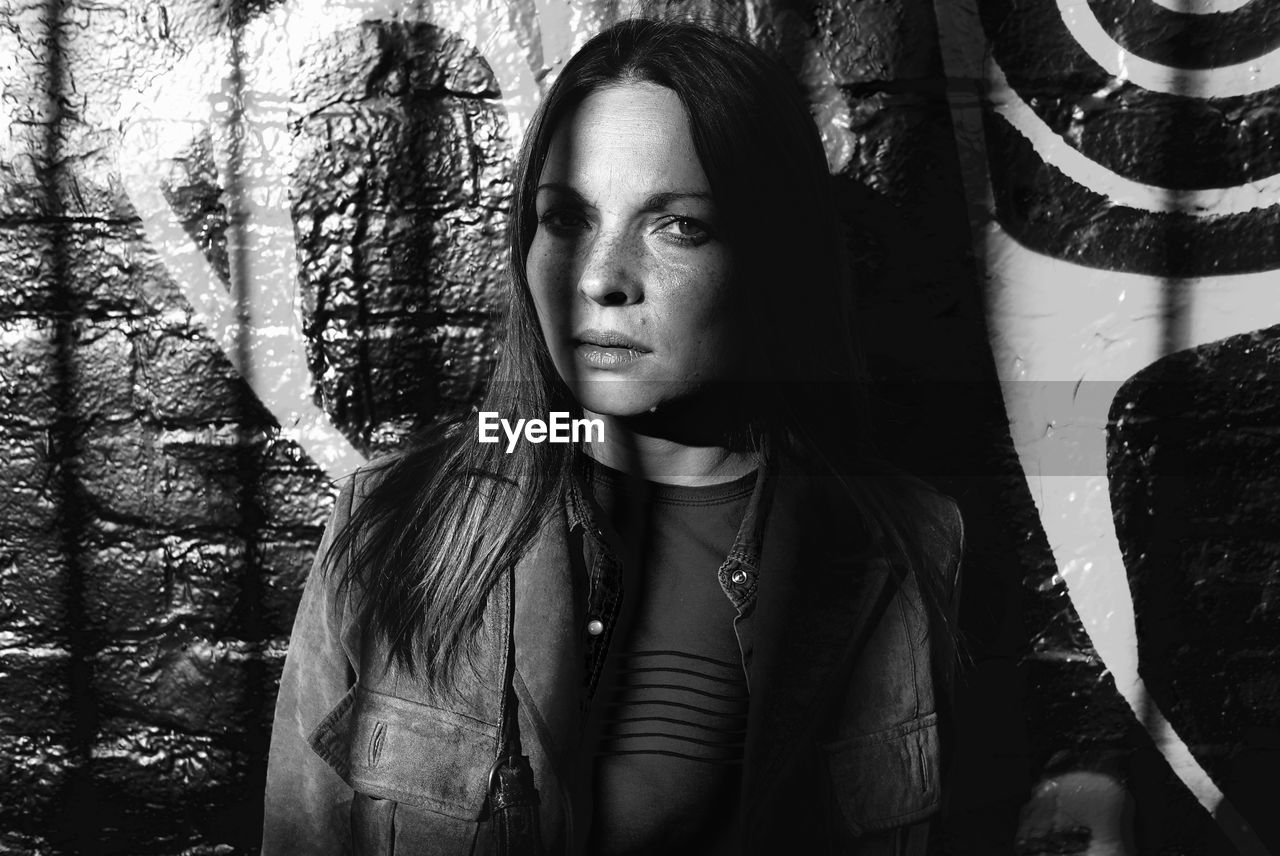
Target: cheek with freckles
<point>698,321</point>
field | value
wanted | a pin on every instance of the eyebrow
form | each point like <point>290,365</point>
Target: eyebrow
<point>655,201</point>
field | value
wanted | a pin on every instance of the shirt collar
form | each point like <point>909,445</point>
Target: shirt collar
<point>746,546</point>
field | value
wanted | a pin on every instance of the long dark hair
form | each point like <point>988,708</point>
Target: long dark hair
<point>443,519</point>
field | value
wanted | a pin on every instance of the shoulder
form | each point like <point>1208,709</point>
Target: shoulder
<point>354,525</point>
<point>354,493</point>
<point>864,507</point>
<point>906,519</point>
<point>942,529</point>
<point>385,486</point>
<point>911,506</point>
<point>356,488</point>
<point>932,528</point>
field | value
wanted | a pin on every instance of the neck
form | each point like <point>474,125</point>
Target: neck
<point>632,447</point>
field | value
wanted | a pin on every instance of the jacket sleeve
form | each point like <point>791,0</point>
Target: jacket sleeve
<point>307,805</point>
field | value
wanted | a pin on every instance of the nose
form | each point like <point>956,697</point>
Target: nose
<point>610,272</point>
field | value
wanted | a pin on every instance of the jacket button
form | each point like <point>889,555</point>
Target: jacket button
<point>595,627</point>
<point>739,577</point>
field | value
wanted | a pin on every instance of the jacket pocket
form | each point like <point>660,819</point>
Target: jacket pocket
<point>888,778</point>
<point>372,826</point>
<point>416,754</point>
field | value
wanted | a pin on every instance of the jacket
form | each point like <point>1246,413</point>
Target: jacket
<point>842,747</point>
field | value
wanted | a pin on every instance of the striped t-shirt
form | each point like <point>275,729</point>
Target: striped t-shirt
<point>670,712</point>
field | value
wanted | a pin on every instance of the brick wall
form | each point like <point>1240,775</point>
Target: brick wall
<point>161,510</point>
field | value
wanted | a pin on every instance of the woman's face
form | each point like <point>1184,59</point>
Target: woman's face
<point>629,268</point>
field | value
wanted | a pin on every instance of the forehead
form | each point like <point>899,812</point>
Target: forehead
<point>630,136</point>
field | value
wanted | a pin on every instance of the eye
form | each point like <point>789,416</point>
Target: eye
<point>687,231</point>
<point>562,221</point>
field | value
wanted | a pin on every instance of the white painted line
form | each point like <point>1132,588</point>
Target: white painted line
<point>1055,151</point>
<point>1245,78</point>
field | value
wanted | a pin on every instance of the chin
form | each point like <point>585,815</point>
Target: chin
<point>618,397</point>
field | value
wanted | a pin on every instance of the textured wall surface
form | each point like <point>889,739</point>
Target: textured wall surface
<point>243,247</point>
<point>1131,272</point>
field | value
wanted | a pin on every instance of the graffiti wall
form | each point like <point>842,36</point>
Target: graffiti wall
<point>247,246</point>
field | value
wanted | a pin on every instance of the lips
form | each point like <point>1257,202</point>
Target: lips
<point>607,349</point>
<point>608,339</point>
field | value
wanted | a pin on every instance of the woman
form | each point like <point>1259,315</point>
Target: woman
<point>715,629</point>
